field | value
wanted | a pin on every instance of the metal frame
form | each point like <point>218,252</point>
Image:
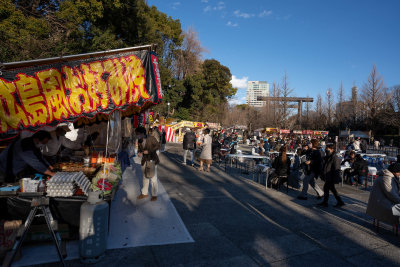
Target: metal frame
<point>45,61</point>
<point>42,204</point>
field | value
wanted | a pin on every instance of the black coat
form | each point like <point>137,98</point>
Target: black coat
<point>360,167</point>
<point>281,168</point>
<point>189,141</point>
<point>331,169</point>
<point>316,162</point>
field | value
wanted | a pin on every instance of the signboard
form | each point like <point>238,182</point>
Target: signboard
<point>198,124</point>
<point>297,131</point>
<point>321,132</point>
<point>34,96</point>
<point>151,116</point>
<point>286,131</point>
<point>271,130</point>
<point>308,132</point>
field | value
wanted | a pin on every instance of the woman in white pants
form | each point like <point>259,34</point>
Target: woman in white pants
<point>147,149</point>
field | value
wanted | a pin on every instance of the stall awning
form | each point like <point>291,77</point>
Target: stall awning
<point>50,91</point>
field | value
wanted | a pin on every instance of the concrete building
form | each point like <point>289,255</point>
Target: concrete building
<point>255,89</point>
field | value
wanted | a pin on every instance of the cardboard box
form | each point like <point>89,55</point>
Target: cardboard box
<point>8,235</point>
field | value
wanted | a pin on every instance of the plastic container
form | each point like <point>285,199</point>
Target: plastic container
<point>42,186</point>
<point>86,161</point>
<point>24,183</point>
<point>93,228</point>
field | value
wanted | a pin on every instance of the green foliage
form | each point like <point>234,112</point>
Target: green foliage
<point>46,28</point>
<point>183,114</point>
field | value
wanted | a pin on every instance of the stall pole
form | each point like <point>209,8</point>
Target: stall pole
<point>105,161</point>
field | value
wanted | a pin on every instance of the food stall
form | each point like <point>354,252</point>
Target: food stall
<point>180,126</point>
<point>81,89</point>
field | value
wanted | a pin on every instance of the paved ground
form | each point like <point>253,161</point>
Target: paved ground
<point>236,222</point>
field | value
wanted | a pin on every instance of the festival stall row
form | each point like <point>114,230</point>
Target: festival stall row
<point>276,131</point>
<point>100,94</point>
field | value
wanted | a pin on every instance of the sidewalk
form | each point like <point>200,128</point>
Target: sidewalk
<point>237,222</point>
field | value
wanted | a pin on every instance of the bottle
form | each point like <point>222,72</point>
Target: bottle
<point>42,186</point>
<point>93,228</point>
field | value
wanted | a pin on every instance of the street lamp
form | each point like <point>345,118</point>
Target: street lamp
<point>168,110</point>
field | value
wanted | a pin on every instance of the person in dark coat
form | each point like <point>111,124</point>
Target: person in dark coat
<point>364,146</point>
<point>350,158</point>
<point>360,167</point>
<point>216,148</point>
<point>281,165</point>
<point>189,144</point>
<point>23,156</point>
<point>331,175</point>
<point>312,170</point>
<point>163,140</point>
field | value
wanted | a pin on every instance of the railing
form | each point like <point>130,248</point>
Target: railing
<point>388,150</point>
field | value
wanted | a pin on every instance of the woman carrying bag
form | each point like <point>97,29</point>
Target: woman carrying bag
<point>147,149</point>
<point>331,175</point>
<point>281,165</point>
<point>206,151</point>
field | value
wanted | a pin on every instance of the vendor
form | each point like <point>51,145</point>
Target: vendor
<point>58,139</point>
<point>24,153</point>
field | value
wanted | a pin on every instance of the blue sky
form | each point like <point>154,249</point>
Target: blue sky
<point>319,43</point>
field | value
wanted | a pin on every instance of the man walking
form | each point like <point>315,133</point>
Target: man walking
<point>313,169</point>
<point>189,144</point>
<point>331,176</point>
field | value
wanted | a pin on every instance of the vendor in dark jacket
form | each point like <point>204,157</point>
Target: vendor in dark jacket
<point>23,157</point>
<point>331,175</point>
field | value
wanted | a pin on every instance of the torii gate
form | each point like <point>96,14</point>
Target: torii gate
<point>299,101</point>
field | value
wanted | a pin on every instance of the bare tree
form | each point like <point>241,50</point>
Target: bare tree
<point>308,109</point>
<point>275,104</point>
<point>373,95</point>
<point>329,105</point>
<point>390,115</point>
<point>189,57</point>
<point>341,99</point>
<point>318,113</point>
<point>286,91</point>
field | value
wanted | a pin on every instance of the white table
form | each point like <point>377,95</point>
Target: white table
<point>371,171</point>
<point>373,155</point>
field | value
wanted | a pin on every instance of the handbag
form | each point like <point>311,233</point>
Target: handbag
<point>149,169</point>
